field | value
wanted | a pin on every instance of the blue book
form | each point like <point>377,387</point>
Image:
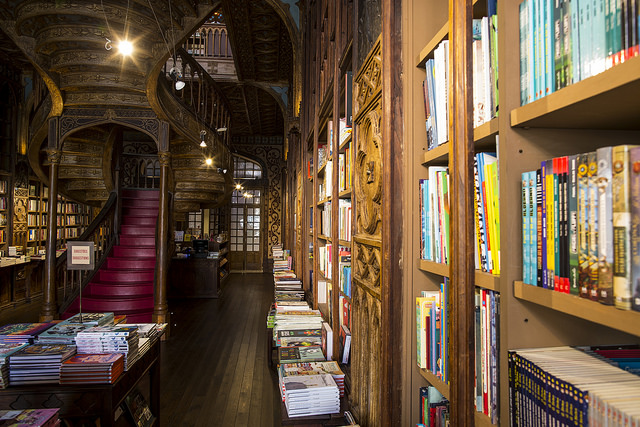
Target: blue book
<point>598,37</point>
<point>524,59</point>
<point>549,81</point>
<point>543,200</point>
<point>526,259</point>
<point>575,41</point>
<point>432,129</point>
<point>533,225</point>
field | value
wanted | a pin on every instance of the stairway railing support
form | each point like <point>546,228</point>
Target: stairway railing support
<point>160,306</point>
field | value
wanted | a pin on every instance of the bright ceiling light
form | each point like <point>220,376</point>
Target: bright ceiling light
<point>179,85</point>
<point>126,47</point>
<point>209,161</point>
<point>203,144</point>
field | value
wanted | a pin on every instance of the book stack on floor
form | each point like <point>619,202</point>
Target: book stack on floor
<point>92,369</point>
<point>47,417</point>
<point>7,350</point>
<point>309,395</point>
<point>301,329</point>
<point>312,368</point>
<point>110,339</point>
<point>564,385</point>
<point>38,363</point>
<point>22,332</point>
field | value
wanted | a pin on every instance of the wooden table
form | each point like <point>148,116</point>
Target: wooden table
<point>79,403</point>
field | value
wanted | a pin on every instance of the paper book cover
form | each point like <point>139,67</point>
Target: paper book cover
<point>605,226</point>
<point>533,237</point>
<point>28,417</point>
<point>30,329</point>
<point>94,359</point>
<point>7,349</point>
<point>63,331</point>
<point>44,350</point>
<point>593,226</point>
<point>526,260</point>
<point>573,224</point>
<point>92,318</point>
<point>308,382</point>
<point>551,256</point>
<point>634,191</point>
<point>583,227</point>
<point>621,228</point>
<point>539,229</point>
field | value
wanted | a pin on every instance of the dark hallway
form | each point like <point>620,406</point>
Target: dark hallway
<point>215,370</point>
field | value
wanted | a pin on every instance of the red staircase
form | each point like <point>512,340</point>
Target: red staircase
<point>124,283</point>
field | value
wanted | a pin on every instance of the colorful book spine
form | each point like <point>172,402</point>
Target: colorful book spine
<point>605,226</point>
<point>583,222</point>
<point>593,226</point>
<point>551,226</point>
<point>557,223</point>
<point>621,228</point>
<point>634,190</point>
<point>573,225</point>
<point>543,224</point>
<point>526,232</point>
<point>533,238</point>
<point>538,213</point>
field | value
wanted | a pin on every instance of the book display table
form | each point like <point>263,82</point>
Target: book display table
<point>79,403</point>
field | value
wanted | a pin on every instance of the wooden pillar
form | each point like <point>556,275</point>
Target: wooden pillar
<point>49,304</point>
<point>462,249</point>
<point>160,306</point>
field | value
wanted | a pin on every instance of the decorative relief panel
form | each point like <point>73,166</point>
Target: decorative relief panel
<point>368,82</point>
<point>368,174</point>
<point>365,360</point>
<point>144,120</point>
<point>271,156</point>
<point>367,265</point>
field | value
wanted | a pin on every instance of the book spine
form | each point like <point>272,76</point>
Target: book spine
<point>526,261</point>
<point>567,48</point>
<point>621,228</point>
<point>557,223</point>
<point>583,248</point>
<point>634,191</point>
<point>479,217</point>
<point>565,225</point>
<point>573,225</point>
<point>551,226</point>
<point>558,39</point>
<point>598,61</point>
<point>533,223</point>
<point>593,226</point>
<point>575,41</point>
<point>538,228</point>
<point>605,227</point>
<point>543,224</point>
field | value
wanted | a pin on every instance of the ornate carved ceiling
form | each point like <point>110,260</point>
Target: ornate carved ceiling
<point>66,41</point>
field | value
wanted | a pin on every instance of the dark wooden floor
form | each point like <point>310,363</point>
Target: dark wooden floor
<point>215,370</point>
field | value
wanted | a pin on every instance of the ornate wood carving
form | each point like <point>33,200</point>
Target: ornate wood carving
<point>368,175</point>
<point>365,362</point>
<point>143,120</point>
<point>367,266</point>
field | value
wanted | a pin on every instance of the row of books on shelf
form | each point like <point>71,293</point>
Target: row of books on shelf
<point>595,386</point>
<point>581,225</point>
<point>485,78</point>
<point>434,214</point>
<point>325,260</point>
<point>487,333</point>
<point>344,219</point>
<point>34,191</point>
<point>432,336</point>
<point>87,348</point>
<point>325,219</point>
<point>69,207</point>
<point>434,408</point>
<point>67,233</point>
<point>3,186</point>
<point>36,234</point>
<point>563,42</point>
<point>344,270</point>
<point>3,219</point>
<point>3,236</point>
<point>325,187</point>
<point>3,203</point>
<point>37,220</point>
<point>345,166</point>
<point>45,417</point>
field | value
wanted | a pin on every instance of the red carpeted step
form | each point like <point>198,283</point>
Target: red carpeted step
<point>152,194</point>
<point>138,241</point>
<point>137,230</point>
<point>125,276</point>
<point>133,252</point>
<point>130,289</point>
<point>97,303</point>
<point>139,316</point>
<point>143,221</point>
<point>115,263</point>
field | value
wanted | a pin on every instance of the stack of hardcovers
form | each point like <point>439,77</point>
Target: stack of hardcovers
<point>38,363</point>
<point>22,332</point>
<point>297,354</point>
<point>148,334</point>
<point>47,417</point>
<point>312,368</point>
<point>308,395</point>
<point>7,350</point>
<point>110,339</point>
<point>92,369</point>
<point>62,333</point>
<point>93,319</point>
<point>297,319</point>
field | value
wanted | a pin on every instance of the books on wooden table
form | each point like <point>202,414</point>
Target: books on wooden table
<point>312,368</point>
<point>47,417</point>
<point>7,350</point>
<point>38,363</point>
<point>22,332</point>
<point>92,369</point>
<point>110,339</point>
<point>94,319</point>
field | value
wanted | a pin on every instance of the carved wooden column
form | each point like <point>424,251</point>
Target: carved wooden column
<point>160,306</point>
<point>49,305</point>
<point>462,250</point>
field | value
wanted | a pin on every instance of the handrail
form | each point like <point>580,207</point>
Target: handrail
<point>102,231</point>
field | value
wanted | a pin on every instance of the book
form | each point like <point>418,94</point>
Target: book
<point>605,226</point>
<point>301,354</point>
<point>45,417</point>
<point>592,234</point>
<point>327,341</point>
<point>621,227</point>
<point>583,227</point>
<point>634,191</point>
<point>345,336</point>
<point>138,409</point>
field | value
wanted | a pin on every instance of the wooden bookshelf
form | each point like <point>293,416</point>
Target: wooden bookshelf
<point>482,420</point>
<point>434,267</point>
<point>483,136</point>
<point>622,320</point>
<point>441,386</point>
<point>609,100</point>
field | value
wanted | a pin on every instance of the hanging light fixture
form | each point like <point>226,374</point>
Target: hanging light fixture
<point>203,144</point>
<point>176,75</point>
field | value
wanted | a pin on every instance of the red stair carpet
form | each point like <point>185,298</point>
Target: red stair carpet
<point>124,283</point>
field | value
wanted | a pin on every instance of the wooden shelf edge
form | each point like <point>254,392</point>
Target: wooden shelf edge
<point>482,420</point>
<point>439,154</point>
<point>442,33</point>
<point>344,242</point>
<point>481,136</point>
<point>346,194</point>
<point>440,385</point>
<point>434,267</point>
<point>613,78</point>
<point>344,143</point>
<point>323,237</point>
<point>486,130</point>
<point>573,305</point>
<point>487,281</point>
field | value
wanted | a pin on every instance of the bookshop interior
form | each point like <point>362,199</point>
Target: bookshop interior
<point>320,213</point>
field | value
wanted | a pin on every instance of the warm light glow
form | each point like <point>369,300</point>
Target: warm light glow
<point>209,161</point>
<point>238,187</point>
<point>125,47</point>
<point>203,144</point>
<point>179,85</point>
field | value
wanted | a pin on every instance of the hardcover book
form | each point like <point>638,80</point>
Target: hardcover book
<point>605,226</point>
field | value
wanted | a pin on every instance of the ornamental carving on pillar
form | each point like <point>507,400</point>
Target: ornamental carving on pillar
<point>165,158</point>
<point>54,155</point>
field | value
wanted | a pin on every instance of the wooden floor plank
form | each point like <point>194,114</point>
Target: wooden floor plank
<point>214,366</point>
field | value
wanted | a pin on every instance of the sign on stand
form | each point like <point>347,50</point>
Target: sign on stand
<point>80,256</point>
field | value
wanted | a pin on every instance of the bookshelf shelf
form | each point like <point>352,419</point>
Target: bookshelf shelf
<point>427,51</point>
<point>434,267</point>
<point>483,135</point>
<point>344,242</point>
<point>437,156</point>
<point>482,420</point>
<point>625,321</point>
<point>346,194</point>
<point>321,168</point>
<point>487,281</point>
<point>323,201</point>
<point>436,382</point>
<point>593,103</point>
<point>344,144</point>
<point>323,237</point>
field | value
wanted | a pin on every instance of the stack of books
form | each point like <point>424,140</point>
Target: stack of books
<point>92,369</point>
<point>110,339</point>
<point>148,334</point>
<point>308,395</point>
<point>296,354</point>
<point>22,332</point>
<point>38,363</point>
<point>30,417</point>
<point>7,350</point>
<point>62,333</point>
<point>312,368</point>
<point>93,319</point>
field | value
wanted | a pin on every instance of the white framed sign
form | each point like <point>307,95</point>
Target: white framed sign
<point>80,256</point>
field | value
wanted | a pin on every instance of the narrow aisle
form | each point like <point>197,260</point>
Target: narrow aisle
<point>214,366</point>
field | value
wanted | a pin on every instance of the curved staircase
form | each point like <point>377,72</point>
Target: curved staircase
<point>124,282</point>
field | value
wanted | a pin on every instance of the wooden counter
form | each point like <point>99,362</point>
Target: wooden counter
<point>194,278</point>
